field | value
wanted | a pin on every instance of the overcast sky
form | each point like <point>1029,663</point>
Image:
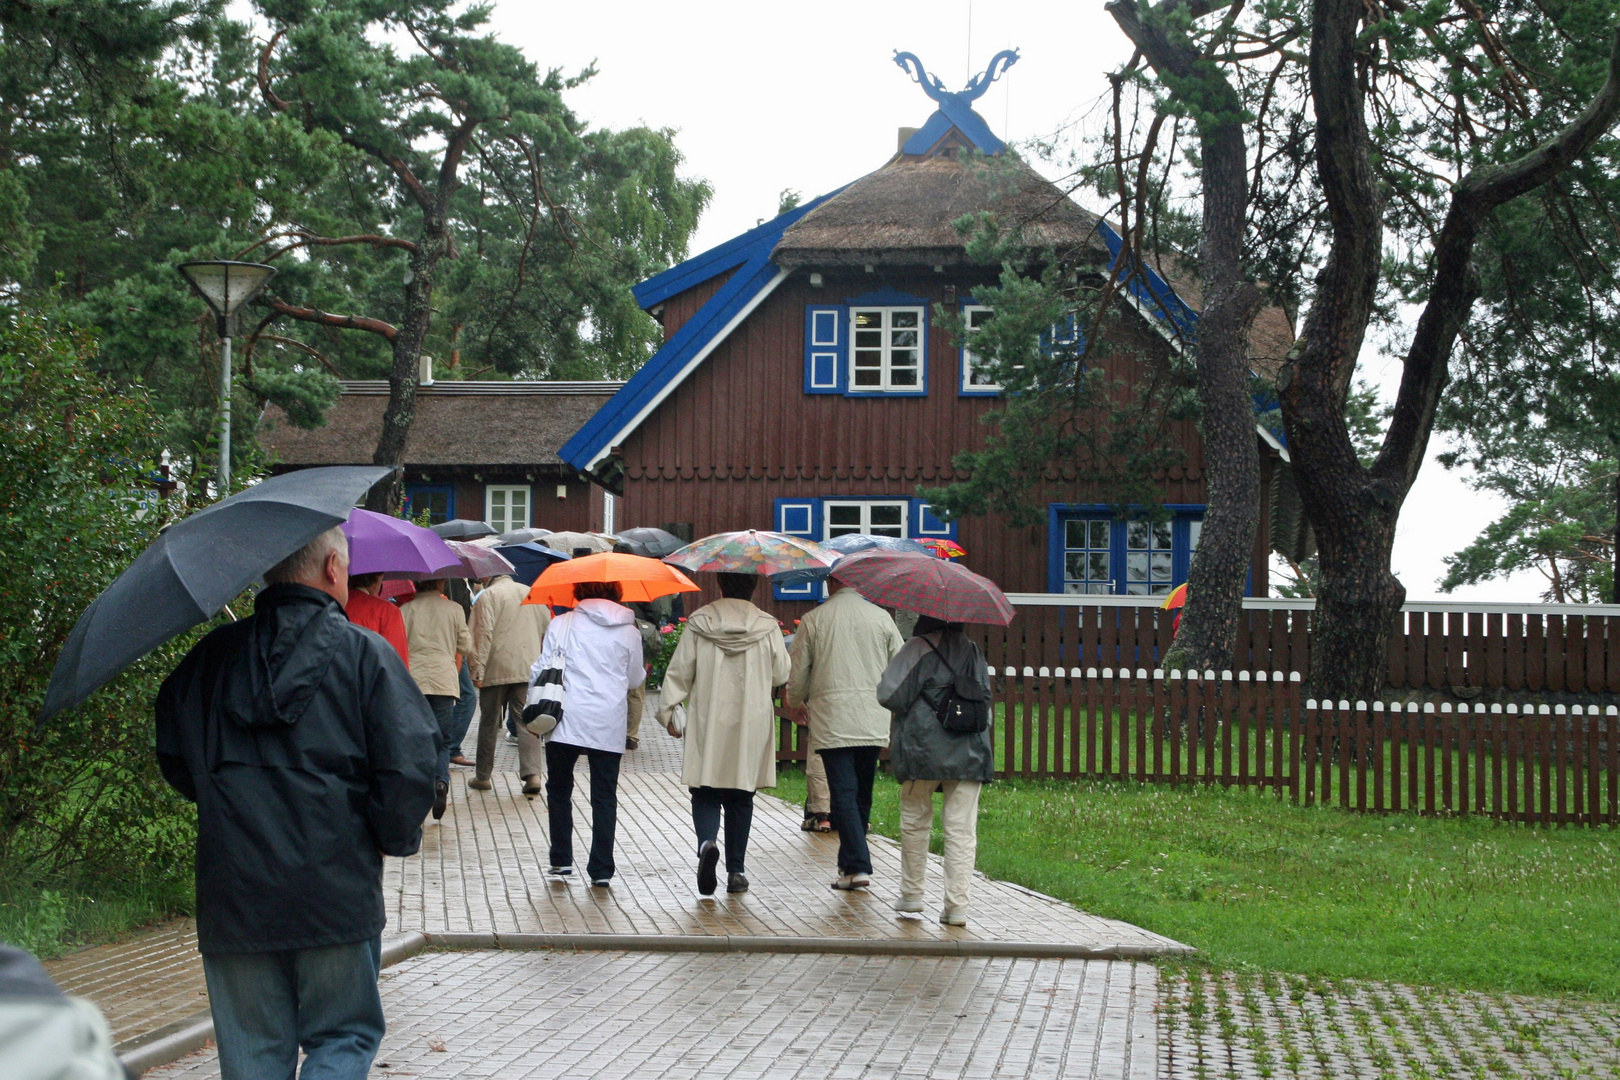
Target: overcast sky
<point>767,96</point>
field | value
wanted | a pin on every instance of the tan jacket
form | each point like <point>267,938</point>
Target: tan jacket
<point>839,655</point>
<point>436,630</point>
<point>729,660</point>
<point>506,633</point>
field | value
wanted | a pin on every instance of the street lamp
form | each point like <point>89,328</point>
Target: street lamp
<point>226,286</point>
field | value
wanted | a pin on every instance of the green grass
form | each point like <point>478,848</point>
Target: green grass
<point>1259,884</point>
<point>55,918</point>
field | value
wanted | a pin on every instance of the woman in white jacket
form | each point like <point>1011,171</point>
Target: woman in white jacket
<point>598,648</point>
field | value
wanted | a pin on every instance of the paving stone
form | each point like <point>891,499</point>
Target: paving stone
<point>612,1015</point>
<point>482,869</point>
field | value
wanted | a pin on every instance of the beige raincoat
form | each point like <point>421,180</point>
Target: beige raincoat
<point>506,633</point>
<point>839,654</point>
<point>436,631</point>
<point>729,659</point>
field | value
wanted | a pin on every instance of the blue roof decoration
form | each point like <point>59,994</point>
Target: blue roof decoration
<point>955,109</point>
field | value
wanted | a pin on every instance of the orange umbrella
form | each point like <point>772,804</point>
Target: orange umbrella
<point>640,578</point>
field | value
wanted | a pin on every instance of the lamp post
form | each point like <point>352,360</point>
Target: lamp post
<point>225,286</point>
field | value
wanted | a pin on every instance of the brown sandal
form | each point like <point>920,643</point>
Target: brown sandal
<point>818,823</point>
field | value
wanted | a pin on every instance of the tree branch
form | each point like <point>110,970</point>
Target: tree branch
<point>375,240</point>
<point>327,318</point>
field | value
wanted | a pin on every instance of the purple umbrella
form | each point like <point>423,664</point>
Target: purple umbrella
<point>378,542</point>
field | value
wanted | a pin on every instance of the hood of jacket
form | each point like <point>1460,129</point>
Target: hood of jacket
<point>733,626</point>
<point>287,646</point>
<point>605,612</point>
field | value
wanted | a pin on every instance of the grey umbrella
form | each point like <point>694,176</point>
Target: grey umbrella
<point>197,566</point>
<point>462,529</point>
<point>523,536</point>
<point>653,543</point>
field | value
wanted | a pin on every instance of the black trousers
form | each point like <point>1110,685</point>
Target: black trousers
<point>560,759</point>
<point>738,803</point>
<point>850,772</point>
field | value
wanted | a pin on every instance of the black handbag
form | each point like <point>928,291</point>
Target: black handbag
<point>964,708</point>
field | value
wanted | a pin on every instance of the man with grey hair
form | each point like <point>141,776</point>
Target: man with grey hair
<point>309,752</point>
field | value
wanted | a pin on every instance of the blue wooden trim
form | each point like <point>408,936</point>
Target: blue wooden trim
<point>825,354</point>
<point>964,119</point>
<point>1180,540</point>
<point>924,524</point>
<point>431,489</point>
<point>784,514</point>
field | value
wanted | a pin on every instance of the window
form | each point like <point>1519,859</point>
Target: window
<point>975,380</point>
<point>609,513</point>
<point>1096,553</point>
<point>438,501</point>
<point>888,349</point>
<point>872,518</point>
<point>1088,548</point>
<point>506,506</point>
<point>1149,563</point>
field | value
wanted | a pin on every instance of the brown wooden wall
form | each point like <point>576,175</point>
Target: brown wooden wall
<point>741,432</point>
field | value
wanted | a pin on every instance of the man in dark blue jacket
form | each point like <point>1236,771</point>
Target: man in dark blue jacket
<point>309,752</point>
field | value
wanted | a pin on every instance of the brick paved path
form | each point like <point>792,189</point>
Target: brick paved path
<point>611,1015</point>
<point>481,869</point>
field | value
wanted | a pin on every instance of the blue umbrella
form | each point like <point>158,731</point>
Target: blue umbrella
<point>848,544</point>
<point>528,560</point>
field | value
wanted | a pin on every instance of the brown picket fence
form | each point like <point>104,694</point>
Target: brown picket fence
<point>1529,763</point>
<point>1433,646</point>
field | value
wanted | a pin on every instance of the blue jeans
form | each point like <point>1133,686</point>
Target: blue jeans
<point>444,712</point>
<point>850,773</point>
<point>560,758</point>
<point>267,1005</point>
<point>466,709</point>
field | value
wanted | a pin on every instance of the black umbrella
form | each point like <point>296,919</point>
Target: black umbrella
<point>653,543</point>
<point>529,560</point>
<point>197,566</point>
<point>462,529</point>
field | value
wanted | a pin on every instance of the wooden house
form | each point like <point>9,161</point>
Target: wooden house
<point>802,388</point>
<point>480,450</point>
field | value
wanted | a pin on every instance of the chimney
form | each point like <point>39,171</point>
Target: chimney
<point>425,377</point>
<point>905,137</point>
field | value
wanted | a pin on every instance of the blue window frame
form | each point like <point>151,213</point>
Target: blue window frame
<point>817,518</point>
<point>439,500</point>
<point>872,345</point>
<point>1094,552</point>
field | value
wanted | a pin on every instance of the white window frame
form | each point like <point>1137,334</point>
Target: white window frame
<point>866,506</point>
<point>969,357</point>
<point>506,515</point>
<point>609,513</point>
<point>886,383</point>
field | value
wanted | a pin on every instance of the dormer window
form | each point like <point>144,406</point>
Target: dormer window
<point>887,349</point>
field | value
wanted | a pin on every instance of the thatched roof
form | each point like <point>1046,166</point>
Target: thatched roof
<point>457,423</point>
<point>904,214</point>
<point>1271,335</point>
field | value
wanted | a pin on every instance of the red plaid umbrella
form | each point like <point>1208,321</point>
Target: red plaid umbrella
<point>926,585</point>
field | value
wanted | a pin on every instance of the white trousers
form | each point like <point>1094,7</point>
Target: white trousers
<point>817,800</point>
<point>961,819</point>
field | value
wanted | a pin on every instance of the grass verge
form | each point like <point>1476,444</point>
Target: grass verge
<point>49,919</point>
<point>1259,884</point>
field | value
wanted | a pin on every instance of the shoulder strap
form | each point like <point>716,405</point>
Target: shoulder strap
<point>942,658</point>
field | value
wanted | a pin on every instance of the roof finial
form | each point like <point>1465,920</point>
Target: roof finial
<point>976,87</point>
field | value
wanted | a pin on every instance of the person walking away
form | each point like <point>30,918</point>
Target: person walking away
<point>438,637</point>
<point>506,641</point>
<point>461,591</point>
<point>598,649</point>
<point>926,758</point>
<point>839,654</point>
<point>309,754</point>
<point>725,671</point>
<point>365,608</point>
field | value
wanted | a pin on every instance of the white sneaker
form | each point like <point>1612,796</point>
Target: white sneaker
<point>849,882</point>
<point>908,905</point>
<point>953,917</point>
<point>561,871</point>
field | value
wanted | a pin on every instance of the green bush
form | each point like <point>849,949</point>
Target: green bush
<point>82,805</point>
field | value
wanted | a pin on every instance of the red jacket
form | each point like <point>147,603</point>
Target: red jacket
<point>379,615</point>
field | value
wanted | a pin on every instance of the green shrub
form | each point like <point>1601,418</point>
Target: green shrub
<point>80,797</point>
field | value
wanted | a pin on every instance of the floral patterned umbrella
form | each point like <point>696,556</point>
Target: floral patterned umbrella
<point>944,549</point>
<point>751,552</point>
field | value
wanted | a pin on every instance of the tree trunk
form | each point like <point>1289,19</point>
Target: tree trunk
<point>387,496</point>
<point>1214,611</point>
